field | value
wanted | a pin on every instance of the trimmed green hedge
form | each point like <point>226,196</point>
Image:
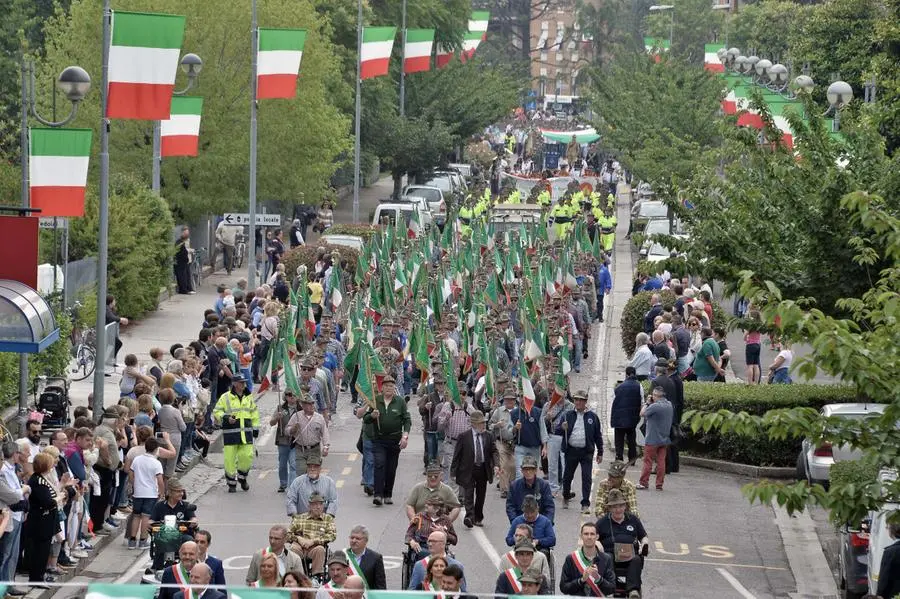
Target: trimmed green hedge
<point>637,306</point>
<point>306,254</point>
<point>756,400</point>
<point>364,231</point>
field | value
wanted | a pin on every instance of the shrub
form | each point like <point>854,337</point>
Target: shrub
<point>364,231</point>
<point>757,400</point>
<point>637,306</point>
<point>140,244</point>
<point>306,254</point>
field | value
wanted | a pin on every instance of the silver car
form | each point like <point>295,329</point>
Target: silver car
<point>815,459</point>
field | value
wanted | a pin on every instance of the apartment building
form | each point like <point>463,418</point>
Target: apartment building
<point>559,50</point>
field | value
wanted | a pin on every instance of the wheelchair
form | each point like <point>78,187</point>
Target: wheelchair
<point>409,563</point>
<point>164,546</point>
<point>551,566</point>
<point>318,579</point>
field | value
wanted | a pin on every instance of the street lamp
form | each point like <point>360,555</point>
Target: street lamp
<point>664,7</point>
<point>191,65</point>
<point>839,94</point>
<point>778,76</point>
<point>804,84</point>
<point>75,83</point>
<point>762,67</point>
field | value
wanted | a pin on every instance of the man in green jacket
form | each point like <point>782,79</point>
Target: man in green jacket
<point>390,433</point>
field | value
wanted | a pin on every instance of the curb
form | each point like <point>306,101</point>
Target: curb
<point>742,469</point>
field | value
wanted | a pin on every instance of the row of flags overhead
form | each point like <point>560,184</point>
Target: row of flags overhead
<point>144,54</point>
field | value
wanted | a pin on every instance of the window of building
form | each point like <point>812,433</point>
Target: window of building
<point>560,32</point>
<point>545,33</point>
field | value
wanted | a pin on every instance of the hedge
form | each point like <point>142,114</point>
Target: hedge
<point>636,308</point>
<point>364,231</point>
<point>140,244</point>
<point>755,400</point>
<point>306,254</point>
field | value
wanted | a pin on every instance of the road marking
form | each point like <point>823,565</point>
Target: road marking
<point>264,474</point>
<point>139,565</point>
<point>717,564</point>
<point>339,484</point>
<point>736,584</point>
<point>487,547</point>
<point>346,471</point>
<point>352,457</point>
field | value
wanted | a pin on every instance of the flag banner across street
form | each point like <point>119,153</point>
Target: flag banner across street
<point>375,54</point>
<point>180,133</point>
<point>143,60</point>
<point>278,62</point>
<point>417,51</point>
<point>58,169</point>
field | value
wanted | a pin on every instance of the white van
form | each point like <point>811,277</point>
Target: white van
<point>388,213</point>
<point>878,532</point>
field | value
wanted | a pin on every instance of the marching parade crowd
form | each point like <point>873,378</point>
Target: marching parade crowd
<point>475,329</point>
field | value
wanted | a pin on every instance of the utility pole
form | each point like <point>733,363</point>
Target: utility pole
<point>251,245</point>
<point>356,149</point>
<point>402,61</point>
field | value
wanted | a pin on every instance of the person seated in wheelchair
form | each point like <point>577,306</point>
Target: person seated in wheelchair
<point>543,535</point>
<point>624,539</point>
<point>540,562</point>
<point>437,545</point>
<point>310,533</point>
<point>509,582</point>
<point>431,519</point>
<point>174,505</point>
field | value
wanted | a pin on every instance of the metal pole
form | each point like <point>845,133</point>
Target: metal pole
<point>402,61</point>
<point>671,28</point>
<point>65,261</point>
<point>157,159</point>
<point>103,237</point>
<point>359,36</point>
<point>251,245</point>
<point>24,153</point>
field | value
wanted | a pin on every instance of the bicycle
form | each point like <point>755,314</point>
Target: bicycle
<point>240,251</point>
<point>197,267</point>
<point>84,354</point>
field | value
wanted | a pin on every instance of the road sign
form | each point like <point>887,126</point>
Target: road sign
<point>53,222</point>
<point>262,220</point>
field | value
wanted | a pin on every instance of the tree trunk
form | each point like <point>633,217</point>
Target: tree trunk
<point>398,182</point>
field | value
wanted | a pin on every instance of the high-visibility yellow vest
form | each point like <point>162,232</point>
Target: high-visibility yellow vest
<point>246,415</point>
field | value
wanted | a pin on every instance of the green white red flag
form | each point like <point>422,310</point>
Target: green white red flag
<point>144,53</point>
<point>417,50</point>
<point>58,169</point>
<point>478,25</point>
<point>711,60</point>
<point>375,54</point>
<point>443,56</point>
<point>654,46</point>
<point>180,133</point>
<point>279,52</point>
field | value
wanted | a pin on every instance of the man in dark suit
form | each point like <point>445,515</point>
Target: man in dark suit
<point>889,573</point>
<point>180,573</point>
<point>581,435</point>
<point>201,575</point>
<point>474,459</point>
<point>364,562</point>
<point>203,539</point>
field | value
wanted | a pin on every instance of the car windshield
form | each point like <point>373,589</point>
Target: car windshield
<point>658,250</point>
<point>430,195</point>
<point>655,227</point>
<point>653,210</point>
<point>442,183</point>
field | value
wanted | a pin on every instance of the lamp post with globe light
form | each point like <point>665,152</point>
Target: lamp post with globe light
<point>839,94</point>
<point>75,83</point>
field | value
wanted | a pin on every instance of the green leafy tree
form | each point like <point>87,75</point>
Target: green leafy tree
<point>695,24</point>
<point>661,117</point>
<point>860,349</point>
<point>761,208</point>
<point>413,146</point>
<point>767,28</point>
<point>886,72</point>
<point>299,139</point>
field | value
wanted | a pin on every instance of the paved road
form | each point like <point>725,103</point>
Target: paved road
<point>706,540</point>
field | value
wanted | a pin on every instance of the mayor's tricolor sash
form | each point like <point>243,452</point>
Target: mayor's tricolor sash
<point>513,575</point>
<point>354,565</point>
<point>583,563</point>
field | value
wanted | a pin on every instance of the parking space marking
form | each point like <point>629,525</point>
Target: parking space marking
<point>346,471</point>
<point>352,457</point>
<point>736,584</point>
<point>717,564</point>
<point>339,484</point>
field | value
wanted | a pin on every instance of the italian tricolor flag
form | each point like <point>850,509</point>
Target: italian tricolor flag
<point>143,60</point>
<point>478,25</point>
<point>180,134</point>
<point>279,52</point>
<point>375,54</point>
<point>711,60</point>
<point>444,56</point>
<point>58,169</point>
<point>120,591</point>
<point>417,51</point>
<point>654,46</point>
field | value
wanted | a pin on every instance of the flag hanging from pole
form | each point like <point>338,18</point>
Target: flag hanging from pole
<point>478,25</point>
<point>180,133</point>
<point>444,56</point>
<point>58,169</point>
<point>279,52</point>
<point>417,50</point>
<point>375,54</point>
<point>144,53</point>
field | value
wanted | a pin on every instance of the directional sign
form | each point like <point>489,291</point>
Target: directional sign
<point>53,222</point>
<point>262,220</point>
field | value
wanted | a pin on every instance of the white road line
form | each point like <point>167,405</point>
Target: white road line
<point>139,564</point>
<point>735,584</point>
<point>487,547</point>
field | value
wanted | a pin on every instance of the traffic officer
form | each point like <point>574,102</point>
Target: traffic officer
<point>465,215</point>
<point>607,223</point>
<point>237,414</point>
<point>544,198</point>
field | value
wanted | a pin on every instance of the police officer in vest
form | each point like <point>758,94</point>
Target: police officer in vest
<point>237,414</point>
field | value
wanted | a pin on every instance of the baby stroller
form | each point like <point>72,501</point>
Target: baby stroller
<point>53,403</point>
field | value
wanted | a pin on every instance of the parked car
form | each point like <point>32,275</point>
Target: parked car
<point>657,226</point>
<point>879,538</point>
<point>433,196</point>
<point>463,169</point>
<point>815,459</point>
<point>509,217</point>
<point>448,186</point>
<point>387,213</point>
<point>458,180</point>
<point>854,559</point>
<point>646,210</point>
<point>351,241</point>
<point>657,252</point>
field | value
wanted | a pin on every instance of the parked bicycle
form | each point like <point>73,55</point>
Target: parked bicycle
<point>197,260</point>
<point>82,347</point>
<point>240,250</point>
